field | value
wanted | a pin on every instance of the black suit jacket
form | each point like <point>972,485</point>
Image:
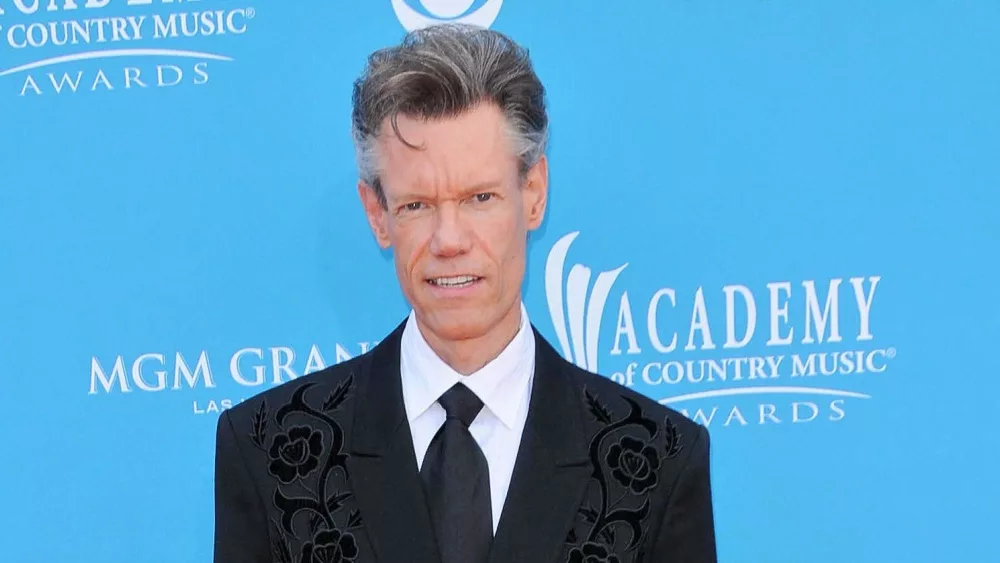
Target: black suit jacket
<point>322,470</point>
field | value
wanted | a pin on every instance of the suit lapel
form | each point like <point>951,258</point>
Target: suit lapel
<point>383,464</point>
<point>552,468</point>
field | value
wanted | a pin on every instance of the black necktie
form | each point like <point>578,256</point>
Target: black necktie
<point>457,481</point>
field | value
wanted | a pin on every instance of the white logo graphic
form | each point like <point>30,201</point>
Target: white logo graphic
<point>87,50</point>
<point>446,11</point>
<point>584,314</point>
<point>203,374</point>
<point>729,344</point>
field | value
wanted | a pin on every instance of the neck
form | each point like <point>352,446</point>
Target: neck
<point>467,356</point>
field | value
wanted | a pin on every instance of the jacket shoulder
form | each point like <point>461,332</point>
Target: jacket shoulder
<point>605,391</point>
<point>331,386</point>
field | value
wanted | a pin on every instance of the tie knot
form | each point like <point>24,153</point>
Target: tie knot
<point>461,403</point>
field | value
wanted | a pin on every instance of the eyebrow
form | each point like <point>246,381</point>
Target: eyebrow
<point>478,187</point>
<point>467,190</point>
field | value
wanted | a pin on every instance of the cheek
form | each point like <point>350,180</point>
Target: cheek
<point>514,267</point>
<point>495,236</point>
<point>409,243</point>
<point>506,249</point>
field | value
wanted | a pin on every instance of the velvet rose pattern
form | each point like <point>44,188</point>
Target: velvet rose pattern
<point>295,453</point>
<point>306,455</point>
<point>626,454</point>
<point>330,546</point>
<point>592,553</point>
<point>634,464</point>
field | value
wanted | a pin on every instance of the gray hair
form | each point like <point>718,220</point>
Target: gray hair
<point>442,71</point>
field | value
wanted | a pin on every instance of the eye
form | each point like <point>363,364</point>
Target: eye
<point>484,197</point>
<point>412,206</point>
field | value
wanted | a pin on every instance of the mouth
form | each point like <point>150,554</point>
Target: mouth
<point>453,282</point>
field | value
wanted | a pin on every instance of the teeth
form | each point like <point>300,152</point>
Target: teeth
<point>454,281</point>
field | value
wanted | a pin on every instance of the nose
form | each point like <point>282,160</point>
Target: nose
<point>451,236</point>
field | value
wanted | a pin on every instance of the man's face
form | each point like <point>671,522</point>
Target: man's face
<point>457,217</point>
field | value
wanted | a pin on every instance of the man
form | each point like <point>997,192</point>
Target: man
<point>463,437</point>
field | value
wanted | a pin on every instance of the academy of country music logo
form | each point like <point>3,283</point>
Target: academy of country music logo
<point>66,47</point>
<point>684,347</point>
<point>418,14</point>
<point>205,386</point>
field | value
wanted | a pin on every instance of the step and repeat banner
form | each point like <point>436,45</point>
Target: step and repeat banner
<point>790,207</point>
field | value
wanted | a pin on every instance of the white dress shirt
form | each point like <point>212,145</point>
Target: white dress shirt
<point>503,385</point>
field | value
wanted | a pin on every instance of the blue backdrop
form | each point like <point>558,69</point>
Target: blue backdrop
<point>795,203</point>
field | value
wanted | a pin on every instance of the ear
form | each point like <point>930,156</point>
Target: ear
<point>378,216</point>
<point>536,192</point>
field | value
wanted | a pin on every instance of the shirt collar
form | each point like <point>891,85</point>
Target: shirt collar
<point>501,384</point>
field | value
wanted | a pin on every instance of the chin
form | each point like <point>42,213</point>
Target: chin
<point>457,324</point>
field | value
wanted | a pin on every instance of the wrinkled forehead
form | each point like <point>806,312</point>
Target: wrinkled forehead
<point>447,154</point>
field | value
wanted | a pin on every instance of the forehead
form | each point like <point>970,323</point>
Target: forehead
<point>452,153</point>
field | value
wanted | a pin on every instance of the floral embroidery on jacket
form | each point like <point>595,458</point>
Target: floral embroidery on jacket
<point>627,454</point>
<point>305,454</point>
